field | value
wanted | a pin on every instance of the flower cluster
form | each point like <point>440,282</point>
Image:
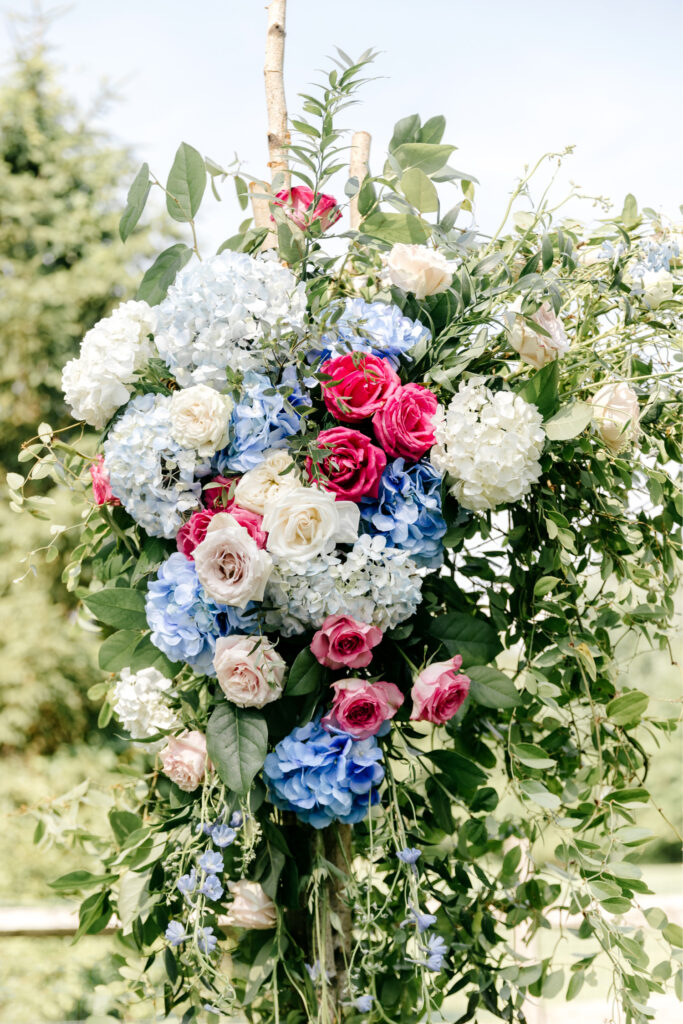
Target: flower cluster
<point>407,511</point>
<point>374,327</point>
<point>324,777</point>
<point>140,702</point>
<point>262,420</point>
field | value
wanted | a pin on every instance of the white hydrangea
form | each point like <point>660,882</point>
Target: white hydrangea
<point>100,380</point>
<point>373,583</point>
<point>217,309</point>
<point>489,444</point>
<point>140,702</point>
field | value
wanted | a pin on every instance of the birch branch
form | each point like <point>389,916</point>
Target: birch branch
<point>358,168</point>
<point>278,134</point>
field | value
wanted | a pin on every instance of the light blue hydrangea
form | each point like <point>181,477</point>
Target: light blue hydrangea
<point>377,327</point>
<point>265,417</point>
<point>185,624</point>
<point>408,511</point>
<point>152,476</point>
<point>324,777</point>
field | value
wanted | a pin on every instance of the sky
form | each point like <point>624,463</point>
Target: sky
<point>514,80</point>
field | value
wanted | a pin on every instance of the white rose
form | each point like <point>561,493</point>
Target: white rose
<point>230,566</point>
<point>419,269</point>
<point>616,415</point>
<point>200,418</point>
<point>262,486</point>
<point>658,287</point>
<point>537,349</point>
<point>250,907</point>
<point>308,522</point>
<point>249,669</point>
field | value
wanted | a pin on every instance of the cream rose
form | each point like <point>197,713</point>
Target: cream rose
<point>260,487</point>
<point>616,414</point>
<point>231,567</point>
<point>658,287</point>
<point>419,269</point>
<point>250,907</point>
<point>537,349</point>
<point>184,760</point>
<point>249,669</point>
<point>200,418</point>
<point>308,522</point>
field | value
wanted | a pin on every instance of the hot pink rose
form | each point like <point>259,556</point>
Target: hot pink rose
<point>193,531</point>
<point>360,708</point>
<point>342,642</point>
<point>101,488</point>
<point>251,521</point>
<point>352,464</point>
<point>299,207</point>
<point>184,760</point>
<point>439,692</point>
<point>405,426</point>
<point>218,496</point>
<point>359,386</point>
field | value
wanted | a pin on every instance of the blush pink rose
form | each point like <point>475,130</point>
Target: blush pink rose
<point>193,531</point>
<point>439,692</point>
<point>342,642</point>
<point>299,206</point>
<point>359,385</point>
<point>405,426</point>
<point>360,708</point>
<point>219,497</point>
<point>101,488</point>
<point>352,465</point>
<point>184,760</point>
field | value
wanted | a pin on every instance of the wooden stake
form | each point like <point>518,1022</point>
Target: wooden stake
<point>358,168</point>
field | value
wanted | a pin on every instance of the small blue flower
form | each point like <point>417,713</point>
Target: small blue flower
<point>211,862</point>
<point>410,855</point>
<point>423,921</point>
<point>187,883</point>
<point>264,418</point>
<point>175,933</point>
<point>237,819</point>
<point>206,940</point>
<point>376,327</point>
<point>211,887</point>
<point>363,1004</point>
<point>435,950</point>
<point>223,835</point>
<point>407,511</point>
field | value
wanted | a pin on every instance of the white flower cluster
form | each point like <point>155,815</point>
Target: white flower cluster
<point>140,702</point>
<point>373,583</point>
<point>489,444</point>
<point>216,310</point>
<point>99,382</point>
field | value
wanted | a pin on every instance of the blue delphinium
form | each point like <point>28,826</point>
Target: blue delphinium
<point>211,862</point>
<point>423,921</point>
<point>187,884</point>
<point>223,835</point>
<point>207,940</point>
<point>264,418</point>
<point>211,887</point>
<point>410,855</point>
<point>408,511</point>
<point>363,1004</point>
<point>185,624</point>
<point>323,777</point>
<point>377,327</point>
<point>175,933</point>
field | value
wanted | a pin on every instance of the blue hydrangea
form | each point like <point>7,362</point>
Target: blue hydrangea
<point>151,475</point>
<point>324,777</point>
<point>185,624</point>
<point>408,511</point>
<point>265,417</point>
<point>377,327</point>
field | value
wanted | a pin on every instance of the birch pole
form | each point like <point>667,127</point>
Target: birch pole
<point>358,168</point>
<point>276,104</point>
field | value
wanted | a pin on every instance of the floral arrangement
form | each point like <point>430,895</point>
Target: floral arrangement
<point>364,535</point>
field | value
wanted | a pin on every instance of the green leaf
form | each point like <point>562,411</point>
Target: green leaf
<point>470,636</point>
<point>575,985</point>
<point>186,183</point>
<point>396,227</point>
<point>534,790</point>
<point>465,775</point>
<point>123,823</point>
<point>118,607</point>
<point>162,273</point>
<point>419,190</point>
<point>628,709</point>
<point>547,254</point>
<point>545,584</point>
<point>305,675</point>
<point>237,742</point>
<point>404,131</point>
<point>133,897</point>
<point>673,933</point>
<point>146,655</point>
<point>117,650</point>
<point>427,156</point>
<point>629,214</point>
<point>135,203</point>
<point>532,756</point>
<point>541,390</point>
<point>491,688</point>
<point>569,422</point>
<point>432,130</point>
<point>77,881</point>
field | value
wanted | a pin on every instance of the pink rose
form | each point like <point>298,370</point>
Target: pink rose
<point>405,426</point>
<point>219,497</point>
<point>298,206</point>
<point>342,642</point>
<point>439,692</point>
<point>251,521</point>
<point>359,385</point>
<point>184,760</point>
<point>360,708</point>
<point>101,488</point>
<point>352,465</point>
<point>193,531</point>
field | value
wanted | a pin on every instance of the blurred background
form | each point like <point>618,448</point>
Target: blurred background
<point>89,91</point>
